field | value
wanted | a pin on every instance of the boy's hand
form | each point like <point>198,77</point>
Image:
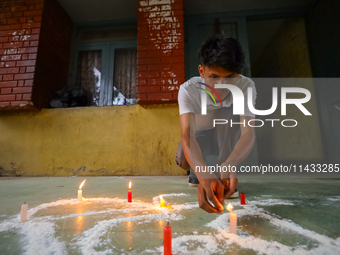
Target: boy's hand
<point>230,184</point>
<point>213,189</point>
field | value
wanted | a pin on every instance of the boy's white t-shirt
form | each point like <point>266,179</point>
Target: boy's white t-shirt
<point>189,100</point>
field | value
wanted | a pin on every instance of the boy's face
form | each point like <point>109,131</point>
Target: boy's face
<point>217,75</point>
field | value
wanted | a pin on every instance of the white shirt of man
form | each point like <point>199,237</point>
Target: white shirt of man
<point>189,100</point>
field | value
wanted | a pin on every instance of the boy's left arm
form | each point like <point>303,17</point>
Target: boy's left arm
<point>241,151</point>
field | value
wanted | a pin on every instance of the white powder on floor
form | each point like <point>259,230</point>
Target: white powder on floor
<point>38,238</point>
<point>39,232</point>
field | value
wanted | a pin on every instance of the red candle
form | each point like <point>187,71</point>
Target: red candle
<point>129,193</point>
<point>243,199</point>
<point>167,240</point>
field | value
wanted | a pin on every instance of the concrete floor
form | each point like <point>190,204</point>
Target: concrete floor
<point>282,216</point>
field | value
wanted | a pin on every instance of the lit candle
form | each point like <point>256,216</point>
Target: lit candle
<point>129,193</point>
<point>80,192</point>
<point>167,240</point>
<point>162,203</point>
<point>232,219</point>
<point>243,199</point>
<point>24,208</point>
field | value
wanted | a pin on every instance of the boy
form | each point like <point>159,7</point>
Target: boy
<point>222,61</point>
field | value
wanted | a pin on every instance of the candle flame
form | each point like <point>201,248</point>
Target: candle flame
<point>129,185</point>
<point>161,198</point>
<point>81,185</point>
<point>230,207</point>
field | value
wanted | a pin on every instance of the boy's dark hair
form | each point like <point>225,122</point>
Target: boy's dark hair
<point>222,51</point>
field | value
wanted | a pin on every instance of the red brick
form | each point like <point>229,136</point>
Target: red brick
<point>160,26</point>
<point>149,47</point>
<point>178,66</point>
<point>0,77</point>
<point>17,103</point>
<point>7,97</point>
<point>24,57</point>
<point>9,70</point>
<point>159,81</point>
<point>172,32</point>
<point>142,54</point>
<point>18,96</point>
<point>19,8</point>
<point>10,57</point>
<point>169,88</point>
<point>27,50</point>
<point>25,76</point>
<point>179,81</point>
<point>26,63</point>
<point>28,82</point>
<point>13,39</point>
<point>31,25</point>
<point>160,53</point>
<point>173,60</point>
<point>22,70</point>
<point>4,104</point>
<point>6,91</point>
<point>10,64</point>
<point>159,96</point>
<point>141,96</point>
<point>36,31</point>
<point>143,41</point>
<point>3,39</point>
<point>178,52</point>
<point>5,27</point>
<point>17,14</point>
<point>146,89</point>
<point>15,26</point>
<point>12,45</point>
<point>177,73</point>
<point>33,13</point>
<point>39,6</point>
<point>142,61</point>
<point>26,44</point>
<point>172,46</point>
<point>161,67</point>
<point>11,51</point>
<point>29,37</point>
<point>37,19</point>
<point>16,21</point>
<point>142,68</point>
<point>145,75</point>
<point>26,96</point>
<point>22,90</point>
<point>32,56</point>
<point>34,43</point>
<point>30,69</point>
<point>7,77</point>
<point>5,15</point>
<point>20,83</point>
<point>141,82</point>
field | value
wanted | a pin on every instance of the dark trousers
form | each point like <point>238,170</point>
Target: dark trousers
<point>218,141</point>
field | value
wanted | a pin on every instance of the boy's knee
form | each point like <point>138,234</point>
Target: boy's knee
<point>183,163</point>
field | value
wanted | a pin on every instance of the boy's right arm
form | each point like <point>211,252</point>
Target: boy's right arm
<point>208,187</point>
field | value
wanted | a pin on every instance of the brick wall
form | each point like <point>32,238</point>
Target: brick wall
<point>160,51</point>
<point>29,34</point>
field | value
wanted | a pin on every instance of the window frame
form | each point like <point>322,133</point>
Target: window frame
<point>108,54</point>
<point>107,65</point>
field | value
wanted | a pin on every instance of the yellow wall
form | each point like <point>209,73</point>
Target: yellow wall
<point>113,140</point>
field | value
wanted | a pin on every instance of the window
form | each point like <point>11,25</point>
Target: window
<point>106,69</point>
<point>89,74</point>
<point>125,77</point>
